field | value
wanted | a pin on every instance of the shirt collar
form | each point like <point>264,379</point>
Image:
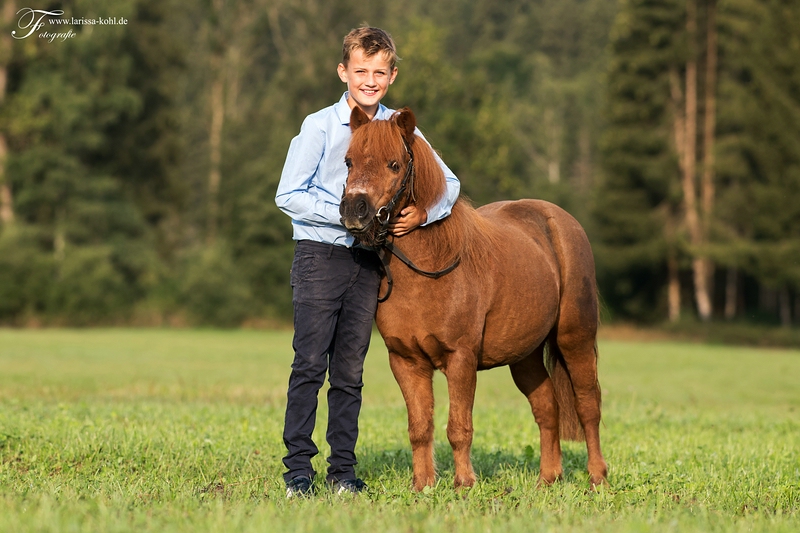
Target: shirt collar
<point>343,110</point>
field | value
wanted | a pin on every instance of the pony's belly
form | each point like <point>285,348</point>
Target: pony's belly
<point>501,357</point>
<point>508,345</point>
<point>494,338</point>
<point>498,326</point>
<point>518,323</point>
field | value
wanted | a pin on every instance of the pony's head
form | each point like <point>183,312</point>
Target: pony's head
<point>387,170</point>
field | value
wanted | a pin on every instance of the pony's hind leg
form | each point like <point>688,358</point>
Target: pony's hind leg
<point>579,352</point>
<point>415,377</point>
<point>532,379</point>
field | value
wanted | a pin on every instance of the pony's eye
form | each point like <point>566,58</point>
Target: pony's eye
<point>394,165</point>
<point>348,163</point>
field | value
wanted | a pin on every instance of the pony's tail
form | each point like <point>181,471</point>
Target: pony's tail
<point>569,425</point>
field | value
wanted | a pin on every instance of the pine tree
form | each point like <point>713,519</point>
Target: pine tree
<point>758,221</point>
<point>638,200</point>
<point>734,144</point>
<point>77,124</point>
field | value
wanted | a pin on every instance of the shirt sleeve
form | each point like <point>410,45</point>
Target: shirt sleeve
<point>296,195</point>
<point>453,189</point>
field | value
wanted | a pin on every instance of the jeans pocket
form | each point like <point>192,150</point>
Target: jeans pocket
<point>302,266</point>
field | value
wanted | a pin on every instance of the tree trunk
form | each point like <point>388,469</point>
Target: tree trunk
<point>215,156</point>
<point>217,104</point>
<point>710,122</point>
<point>585,158</point>
<point>6,196</point>
<point>709,128</point>
<point>702,296</point>
<point>678,122</point>
<point>673,287</point>
<point>275,30</point>
<point>797,307</point>
<point>59,235</point>
<point>552,125</point>
<point>232,76</point>
<point>731,293</point>
<point>785,307</point>
<point>767,299</point>
<point>679,131</point>
<point>673,268</point>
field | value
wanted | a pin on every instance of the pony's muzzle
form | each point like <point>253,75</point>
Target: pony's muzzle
<point>356,212</point>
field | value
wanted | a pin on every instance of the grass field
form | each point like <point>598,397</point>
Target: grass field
<point>158,430</point>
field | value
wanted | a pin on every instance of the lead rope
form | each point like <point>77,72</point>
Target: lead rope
<point>410,264</point>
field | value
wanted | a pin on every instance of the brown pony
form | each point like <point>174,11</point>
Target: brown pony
<point>525,282</point>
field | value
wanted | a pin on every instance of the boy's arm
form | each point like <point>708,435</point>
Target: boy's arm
<point>295,196</point>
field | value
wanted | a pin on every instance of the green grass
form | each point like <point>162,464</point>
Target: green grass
<point>156,430</point>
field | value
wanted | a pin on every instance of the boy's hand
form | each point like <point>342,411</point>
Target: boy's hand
<point>408,220</point>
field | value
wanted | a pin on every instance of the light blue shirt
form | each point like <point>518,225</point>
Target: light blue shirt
<point>314,176</point>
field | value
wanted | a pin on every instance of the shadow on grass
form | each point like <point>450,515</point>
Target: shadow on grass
<point>487,464</point>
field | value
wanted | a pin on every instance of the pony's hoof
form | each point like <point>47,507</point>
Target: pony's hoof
<point>598,475</point>
<point>465,482</point>
<point>543,483</point>
<point>422,483</point>
<point>547,479</point>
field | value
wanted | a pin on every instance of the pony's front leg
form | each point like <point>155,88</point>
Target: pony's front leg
<point>462,377</point>
<point>415,377</point>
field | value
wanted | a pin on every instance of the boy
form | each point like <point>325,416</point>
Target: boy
<point>335,285</point>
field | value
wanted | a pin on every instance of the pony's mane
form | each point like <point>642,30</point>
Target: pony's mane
<point>464,233</point>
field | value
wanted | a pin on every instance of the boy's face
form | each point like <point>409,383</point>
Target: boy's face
<point>367,79</point>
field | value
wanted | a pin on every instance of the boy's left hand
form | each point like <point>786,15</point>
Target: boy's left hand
<point>408,220</point>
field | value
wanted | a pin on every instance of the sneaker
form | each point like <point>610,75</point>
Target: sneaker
<point>345,486</point>
<point>300,486</point>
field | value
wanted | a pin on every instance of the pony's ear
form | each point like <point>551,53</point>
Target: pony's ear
<point>357,118</point>
<point>408,122</point>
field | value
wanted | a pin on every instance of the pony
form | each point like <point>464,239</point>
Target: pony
<point>510,283</point>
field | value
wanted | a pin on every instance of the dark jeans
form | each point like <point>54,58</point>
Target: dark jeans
<point>335,295</point>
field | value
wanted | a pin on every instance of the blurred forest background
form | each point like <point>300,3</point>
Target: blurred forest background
<point>139,162</point>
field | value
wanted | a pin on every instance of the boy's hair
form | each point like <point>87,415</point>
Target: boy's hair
<point>371,41</point>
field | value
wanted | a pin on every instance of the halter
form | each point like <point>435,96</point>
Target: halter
<point>382,245</point>
<point>386,210</point>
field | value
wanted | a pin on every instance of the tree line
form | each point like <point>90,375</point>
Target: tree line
<point>701,153</point>
<point>139,161</point>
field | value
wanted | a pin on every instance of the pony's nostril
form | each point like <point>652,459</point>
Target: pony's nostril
<point>361,208</point>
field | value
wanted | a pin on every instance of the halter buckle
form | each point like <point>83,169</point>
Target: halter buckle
<point>383,211</point>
